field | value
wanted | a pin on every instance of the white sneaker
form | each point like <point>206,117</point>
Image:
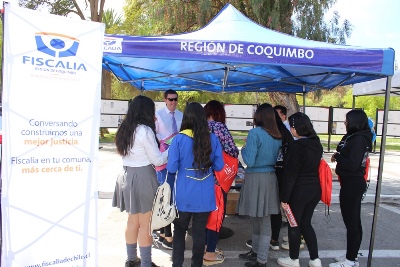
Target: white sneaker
<point>343,258</point>
<point>285,245</point>
<point>341,264</point>
<point>288,262</point>
<point>315,263</point>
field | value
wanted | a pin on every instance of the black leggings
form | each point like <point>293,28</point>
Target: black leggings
<point>303,201</point>
<point>167,231</point>
<point>351,193</point>
<point>276,224</point>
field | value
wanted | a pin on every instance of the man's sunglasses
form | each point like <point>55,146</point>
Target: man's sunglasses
<point>173,99</point>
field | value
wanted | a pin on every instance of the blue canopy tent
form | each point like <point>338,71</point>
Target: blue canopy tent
<point>234,54</point>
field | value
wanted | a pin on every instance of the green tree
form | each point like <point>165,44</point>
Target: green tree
<point>302,18</point>
<point>333,99</point>
<point>308,22</point>
<point>370,103</point>
<point>112,20</point>
<point>137,18</point>
<point>67,7</point>
<point>343,97</point>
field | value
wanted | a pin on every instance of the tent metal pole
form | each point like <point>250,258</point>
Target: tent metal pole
<point>225,80</point>
<point>304,99</point>
<point>380,169</point>
<point>354,102</point>
<point>376,127</point>
<point>142,88</point>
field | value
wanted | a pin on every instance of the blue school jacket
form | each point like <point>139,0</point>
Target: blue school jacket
<point>194,192</point>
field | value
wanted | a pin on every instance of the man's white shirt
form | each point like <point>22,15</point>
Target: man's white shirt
<point>286,122</point>
<point>164,122</point>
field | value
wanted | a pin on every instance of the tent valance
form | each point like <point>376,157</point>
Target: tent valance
<point>234,54</point>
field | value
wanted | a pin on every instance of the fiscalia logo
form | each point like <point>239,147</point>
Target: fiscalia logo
<point>112,45</point>
<point>56,45</point>
<point>60,51</point>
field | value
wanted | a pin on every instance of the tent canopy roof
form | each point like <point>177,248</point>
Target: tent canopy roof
<point>378,87</point>
<point>234,54</point>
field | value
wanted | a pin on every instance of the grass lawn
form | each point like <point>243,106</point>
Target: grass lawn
<point>392,144</point>
<point>108,138</point>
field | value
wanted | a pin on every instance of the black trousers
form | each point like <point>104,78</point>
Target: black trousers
<point>303,201</point>
<point>351,193</point>
<point>181,224</point>
<point>276,219</point>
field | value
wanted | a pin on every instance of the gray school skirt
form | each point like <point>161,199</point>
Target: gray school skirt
<point>135,189</point>
<point>259,195</point>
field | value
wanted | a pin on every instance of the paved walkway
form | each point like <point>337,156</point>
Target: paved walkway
<point>330,230</point>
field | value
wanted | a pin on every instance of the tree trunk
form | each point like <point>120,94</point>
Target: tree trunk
<point>287,100</point>
<point>105,94</point>
<point>106,85</point>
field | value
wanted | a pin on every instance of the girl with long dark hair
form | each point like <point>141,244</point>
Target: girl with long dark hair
<point>137,184</point>
<point>194,153</point>
<point>351,156</point>
<point>301,189</point>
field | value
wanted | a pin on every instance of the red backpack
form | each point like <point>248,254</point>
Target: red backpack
<point>325,179</point>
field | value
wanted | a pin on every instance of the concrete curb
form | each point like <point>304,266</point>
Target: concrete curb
<point>370,198</point>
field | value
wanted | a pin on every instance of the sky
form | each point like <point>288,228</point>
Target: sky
<point>376,23</point>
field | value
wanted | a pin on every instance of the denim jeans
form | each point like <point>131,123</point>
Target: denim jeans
<point>181,224</point>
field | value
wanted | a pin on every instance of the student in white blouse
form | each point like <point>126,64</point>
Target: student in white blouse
<point>137,183</point>
<point>165,127</point>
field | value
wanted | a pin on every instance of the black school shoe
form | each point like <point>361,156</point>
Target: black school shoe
<point>249,256</point>
<point>160,239</point>
<point>249,243</point>
<point>255,264</point>
<point>166,244</point>
<point>135,263</point>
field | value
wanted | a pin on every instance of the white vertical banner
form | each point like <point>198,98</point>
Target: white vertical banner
<point>51,114</point>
